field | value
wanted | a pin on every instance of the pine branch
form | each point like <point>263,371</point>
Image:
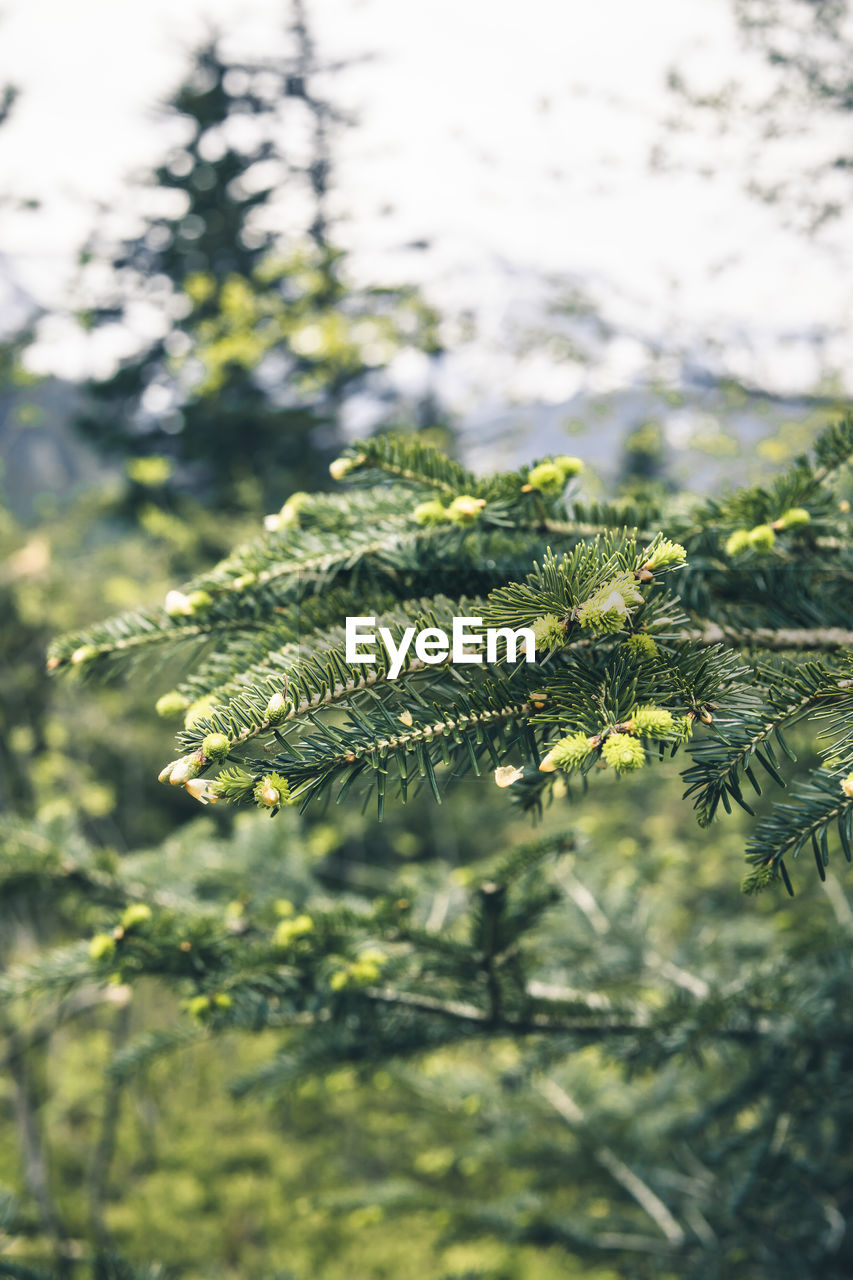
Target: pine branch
<point>725,755</point>
<point>816,806</point>
<point>409,460</point>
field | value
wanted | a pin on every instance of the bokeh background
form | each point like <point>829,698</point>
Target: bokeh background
<point>234,236</point>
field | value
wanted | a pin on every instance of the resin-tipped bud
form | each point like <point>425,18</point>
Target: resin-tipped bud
<point>84,654</point>
<point>277,708</point>
<point>465,509</point>
<point>793,518</point>
<point>189,766</point>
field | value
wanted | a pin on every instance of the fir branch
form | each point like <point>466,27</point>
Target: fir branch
<point>774,639</point>
<point>815,807</point>
<point>409,460</point>
<point>725,755</point>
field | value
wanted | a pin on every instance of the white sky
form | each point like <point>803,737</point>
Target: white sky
<point>514,137</point>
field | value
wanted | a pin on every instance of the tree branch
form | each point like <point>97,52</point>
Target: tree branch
<point>646,1198</point>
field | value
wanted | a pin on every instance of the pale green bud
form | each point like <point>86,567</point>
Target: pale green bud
<point>569,465</point>
<point>650,721</point>
<point>177,604</point>
<point>431,512</point>
<point>170,704</point>
<point>465,509</point>
<point>341,467</point>
<point>84,654</point>
<point>793,518</point>
<point>547,477</point>
<point>135,913</point>
<point>216,746</point>
<point>623,753</point>
<point>287,931</point>
<point>569,753</point>
<point>762,538</point>
<point>189,766</point>
<point>608,609</point>
<point>665,555</point>
<point>737,542</point>
<point>548,631</point>
<point>198,1006</point>
<point>199,710</point>
<point>272,790</point>
<point>102,946</point>
<point>641,646</point>
<point>199,601</point>
<point>277,708</point>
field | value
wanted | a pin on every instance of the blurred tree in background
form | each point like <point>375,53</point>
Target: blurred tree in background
<point>265,337</point>
<point>796,113</point>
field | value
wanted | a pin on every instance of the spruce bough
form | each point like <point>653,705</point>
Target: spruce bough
<point>650,624</point>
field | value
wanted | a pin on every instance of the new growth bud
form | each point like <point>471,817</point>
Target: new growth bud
<point>547,477</point>
<point>341,467</point>
<point>216,747</point>
<point>277,708</point>
<point>761,539</point>
<point>189,766</point>
<point>431,512</point>
<point>199,710</point>
<point>465,509</point>
<point>607,610</point>
<point>650,721</point>
<point>665,555</point>
<point>548,631</point>
<point>84,654</point>
<point>102,946</point>
<point>288,931</point>
<point>551,477</point>
<point>136,913</point>
<point>171,704</point>
<point>793,518</point>
<point>641,646</point>
<point>623,753</point>
<point>737,542</point>
<point>272,791</point>
<point>176,604</point>
<point>569,753</point>
<point>203,790</point>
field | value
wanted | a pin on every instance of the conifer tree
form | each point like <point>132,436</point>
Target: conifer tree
<point>267,336</point>
<point>721,634</point>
